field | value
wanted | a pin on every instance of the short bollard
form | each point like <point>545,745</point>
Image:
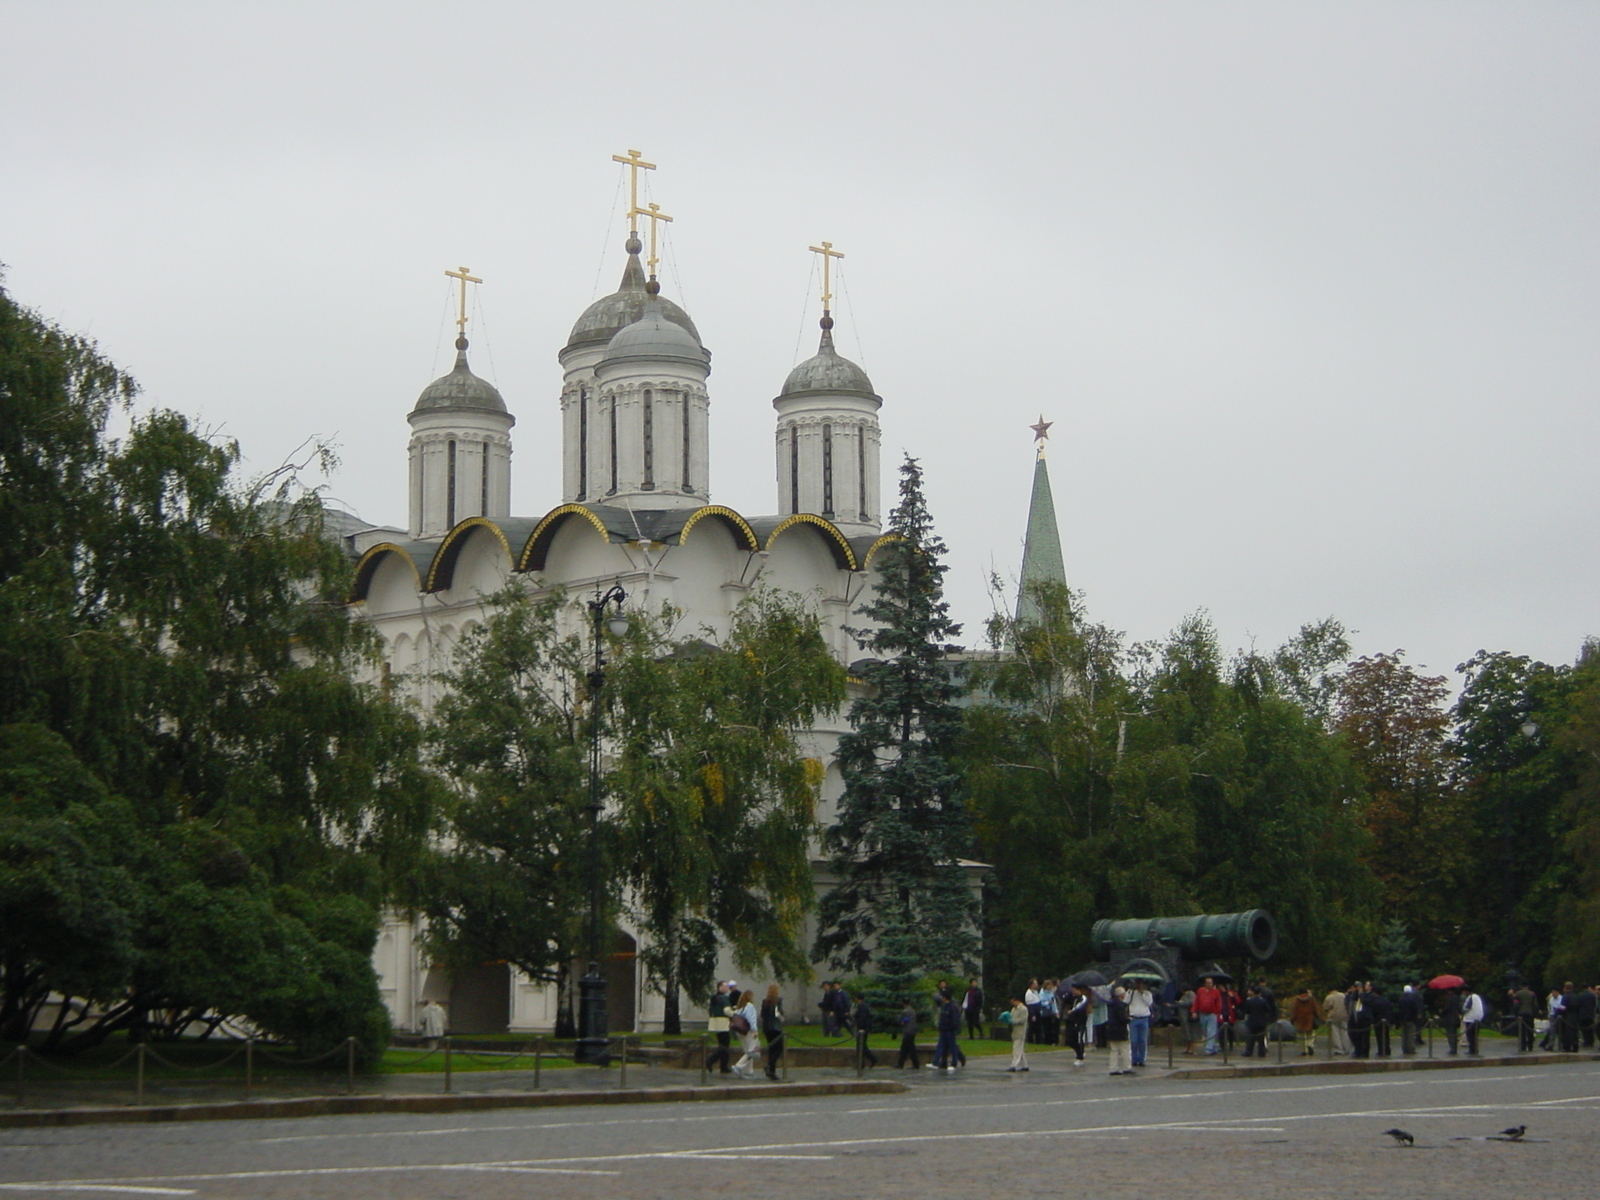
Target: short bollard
<point>1280,1047</point>
<point>447,1065</point>
<point>538,1058</point>
<point>1171,1032</point>
<point>705,1054</point>
<point>139,1087</point>
<point>249,1064</point>
<point>622,1081</point>
<point>1427,1027</point>
<point>22,1053</point>
<point>783,1049</point>
<point>349,1066</point>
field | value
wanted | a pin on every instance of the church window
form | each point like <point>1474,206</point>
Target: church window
<point>827,471</point>
<point>688,482</point>
<point>583,443</point>
<point>483,482</point>
<point>613,444</point>
<point>450,485</point>
<point>794,468</point>
<point>861,469</point>
<point>649,440</point>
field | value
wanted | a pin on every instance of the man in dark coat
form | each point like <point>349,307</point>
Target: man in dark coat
<point>1382,1019</point>
<point>1360,1018</point>
<point>972,1009</point>
<point>1525,1007</point>
<point>1409,1010</point>
<point>908,1037</point>
<point>1450,1018</point>
<point>863,1020</point>
<point>1258,1012</point>
<point>1584,1006</point>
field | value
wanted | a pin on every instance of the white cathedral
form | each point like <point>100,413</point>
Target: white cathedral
<point>636,510</point>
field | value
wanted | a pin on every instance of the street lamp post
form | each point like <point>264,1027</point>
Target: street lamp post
<point>594,1042</point>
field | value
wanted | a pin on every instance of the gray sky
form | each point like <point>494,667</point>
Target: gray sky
<point>1309,290</point>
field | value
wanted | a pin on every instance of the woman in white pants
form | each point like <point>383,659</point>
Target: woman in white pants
<point>749,1037</point>
<point>1019,1036</point>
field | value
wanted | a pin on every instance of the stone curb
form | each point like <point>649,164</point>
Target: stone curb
<point>328,1106</point>
<point>1370,1066</point>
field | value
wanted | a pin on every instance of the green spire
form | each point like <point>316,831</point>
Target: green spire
<point>1041,552</point>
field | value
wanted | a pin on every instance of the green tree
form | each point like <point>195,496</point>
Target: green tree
<point>506,882</point>
<point>181,632</point>
<point>1396,730</point>
<point>1575,933</point>
<point>1394,962</point>
<point>902,901</point>
<point>715,795</point>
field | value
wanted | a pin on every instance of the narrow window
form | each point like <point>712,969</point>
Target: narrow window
<point>613,491</point>
<point>450,485</point>
<point>794,468</point>
<point>827,471</point>
<point>861,469</point>
<point>583,443</point>
<point>483,495</point>
<point>688,482</point>
<point>649,440</point>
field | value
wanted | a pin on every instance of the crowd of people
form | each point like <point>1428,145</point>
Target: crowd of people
<point>1359,1021</point>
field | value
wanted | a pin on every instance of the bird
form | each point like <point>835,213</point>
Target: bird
<point>1401,1137</point>
<point>1514,1133</point>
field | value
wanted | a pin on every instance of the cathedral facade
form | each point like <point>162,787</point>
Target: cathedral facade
<point>636,510</point>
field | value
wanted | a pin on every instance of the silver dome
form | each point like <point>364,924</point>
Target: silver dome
<point>827,371</point>
<point>609,315</point>
<point>460,389</point>
<point>655,337</point>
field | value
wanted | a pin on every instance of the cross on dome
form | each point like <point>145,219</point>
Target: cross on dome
<point>465,276</point>
<point>635,164</point>
<point>828,252</point>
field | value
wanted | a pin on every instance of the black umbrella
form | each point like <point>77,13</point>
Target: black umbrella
<point>1090,978</point>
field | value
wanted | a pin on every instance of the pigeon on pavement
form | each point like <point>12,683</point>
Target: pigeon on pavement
<point>1401,1137</point>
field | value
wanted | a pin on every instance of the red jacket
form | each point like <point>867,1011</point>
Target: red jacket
<point>1207,1000</point>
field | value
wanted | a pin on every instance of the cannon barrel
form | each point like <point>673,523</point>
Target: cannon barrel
<point>1214,935</point>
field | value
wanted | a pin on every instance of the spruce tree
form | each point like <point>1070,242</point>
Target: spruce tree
<point>1394,962</point>
<point>902,902</point>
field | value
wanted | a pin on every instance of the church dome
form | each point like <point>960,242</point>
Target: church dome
<point>609,315</point>
<point>827,371</point>
<point>655,337</point>
<point>460,389</point>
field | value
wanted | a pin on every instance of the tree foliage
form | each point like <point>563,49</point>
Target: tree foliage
<point>902,901</point>
<point>176,668</point>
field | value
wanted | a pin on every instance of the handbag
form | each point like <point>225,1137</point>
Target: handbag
<point>717,1025</point>
<point>739,1023</point>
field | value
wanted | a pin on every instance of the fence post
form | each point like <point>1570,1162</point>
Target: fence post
<point>1427,1027</point>
<point>783,1043</point>
<point>447,1066</point>
<point>22,1053</point>
<point>1171,1030</point>
<point>249,1064</point>
<point>623,1079</point>
<point>139,1087</point>
<point>1279,1032</point>
<point>349,1066</point>
<point>705,1053</point>
<point>538,1060</point>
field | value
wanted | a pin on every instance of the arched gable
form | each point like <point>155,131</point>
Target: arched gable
<point>743,536</point>
<point>367,566</point>
<point>537,547</point>
<point>441,573</point>
<point>872,551</point>
<point>838,545</point>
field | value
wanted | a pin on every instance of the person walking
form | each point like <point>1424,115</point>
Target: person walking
<point>1257,1012</point>
<point>1019,1037</point>
<point>1187,1021</point>
<point>772,1029</point>
<point>744,1021</point>
<point>1337,1016</point>
<point>1117,1032</point>
<point>908,1037</point>
<point>972,1008</point>
<point>1303,1016</point>
<point>1410,1012</point>
<point>947,1053</point>
<point>825,1005</point>
<point>1524,1003</point>
<point>1207,1007</point>
<point>1450,1019</point>
<point>1076,1022</point>
<point>1587,1008</point>
<point>1141,1005</point>
<point>1358,1020</point>
<point>1472,1015</point>
<point>1382,1019</point>
<point>721,1003</point>
<point>863,1022</point>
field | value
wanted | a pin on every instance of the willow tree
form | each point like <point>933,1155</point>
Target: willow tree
<point>177,632</point>
<point>714,790</point>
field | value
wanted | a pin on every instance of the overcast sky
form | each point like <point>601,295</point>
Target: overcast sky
<point>1309,290</point>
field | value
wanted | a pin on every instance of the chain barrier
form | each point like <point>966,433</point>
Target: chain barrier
<point>221,1062</point>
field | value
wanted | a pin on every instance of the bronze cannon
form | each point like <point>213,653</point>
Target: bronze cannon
<point>1196,939</point>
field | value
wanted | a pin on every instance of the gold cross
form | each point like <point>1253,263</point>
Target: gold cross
<point>653,211</point>
<point>635,164</point>
<point>463,275</point>
<point>827,251</point>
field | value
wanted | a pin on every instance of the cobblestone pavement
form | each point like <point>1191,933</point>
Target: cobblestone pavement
<point>974,1133</point>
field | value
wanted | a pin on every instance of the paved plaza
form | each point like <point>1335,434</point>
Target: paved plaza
<point>978,1132</point>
